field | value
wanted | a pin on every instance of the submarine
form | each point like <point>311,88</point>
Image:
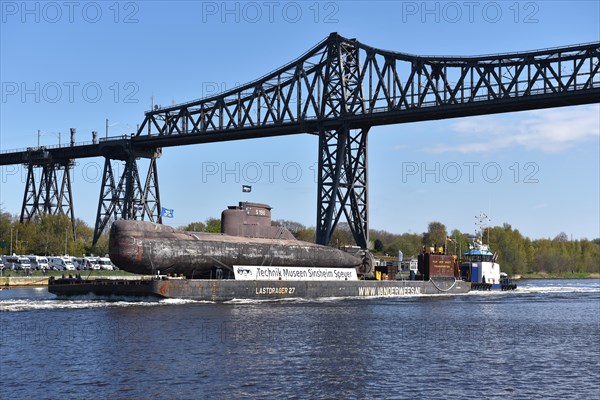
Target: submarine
<point>247,238</point>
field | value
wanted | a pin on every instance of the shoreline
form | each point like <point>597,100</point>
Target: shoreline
<point>543,275</point>
<point>14,282</point>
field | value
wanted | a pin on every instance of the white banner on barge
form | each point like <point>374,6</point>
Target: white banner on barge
<point>271,273</point>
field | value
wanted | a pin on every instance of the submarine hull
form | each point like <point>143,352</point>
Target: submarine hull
<point>143,247</point>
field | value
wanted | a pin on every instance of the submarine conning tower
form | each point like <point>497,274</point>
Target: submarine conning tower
<point>252,220</point>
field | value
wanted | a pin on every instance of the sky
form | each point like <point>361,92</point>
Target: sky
<point>76,64</point>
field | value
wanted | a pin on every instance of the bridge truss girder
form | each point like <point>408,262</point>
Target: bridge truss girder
<point>395,88</point>
<point>51,193</point>
<point>127,198</point>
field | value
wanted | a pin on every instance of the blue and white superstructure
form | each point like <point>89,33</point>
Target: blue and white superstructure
<point>479,265</point>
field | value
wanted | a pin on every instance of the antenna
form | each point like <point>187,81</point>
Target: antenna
<point>481,223</point>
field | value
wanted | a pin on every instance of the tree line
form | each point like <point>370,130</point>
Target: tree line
<point>48,235</point>
<point>517,254</point>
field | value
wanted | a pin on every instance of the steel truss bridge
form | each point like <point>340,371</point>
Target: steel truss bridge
<point>337,90</point>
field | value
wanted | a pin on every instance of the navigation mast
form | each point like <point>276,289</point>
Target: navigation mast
<point>482,223</point>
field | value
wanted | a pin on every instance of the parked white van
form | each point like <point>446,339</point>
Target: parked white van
<point>17,262</point>
<point>38,262</point>
<point>93,262</point>
<point>104,263</point>
<point>61,263</point>
<point>86,263</point>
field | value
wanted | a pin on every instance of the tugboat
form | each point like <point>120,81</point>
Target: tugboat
<point>479,264</point>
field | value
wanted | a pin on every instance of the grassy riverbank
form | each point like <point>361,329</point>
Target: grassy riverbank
<point>562,275</point>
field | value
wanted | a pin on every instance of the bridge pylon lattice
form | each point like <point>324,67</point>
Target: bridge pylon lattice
<point>122,196</point>
<point>342,184</point>
<point>49,191</point>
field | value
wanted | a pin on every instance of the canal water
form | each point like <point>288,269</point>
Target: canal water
<point>541,341</point>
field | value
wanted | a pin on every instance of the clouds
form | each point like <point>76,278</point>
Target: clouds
<point>549,131</point>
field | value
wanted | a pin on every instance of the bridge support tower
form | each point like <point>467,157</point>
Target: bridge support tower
<point>123,196</point>
<point>49,191</point>
<point>342,184</point>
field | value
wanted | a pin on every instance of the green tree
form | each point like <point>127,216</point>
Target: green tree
<point>589,256</point>
<point>292,226</point>
<point>307,235</point>
<point>436,235</point>
<point>48,234</point>
<point>561,238</point>
<point>54,235</point>
<point>342,236</point>
<point>511,248</point>
<point>459,244</point>
<point>6,223</point>
<point>213,225</point>
<point>194,227</point>
<point>101,247</point>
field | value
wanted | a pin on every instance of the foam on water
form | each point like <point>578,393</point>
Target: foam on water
<point>167,302</point>
<point>566,289</point>
<point>569,286</point>
<point>88,301</point>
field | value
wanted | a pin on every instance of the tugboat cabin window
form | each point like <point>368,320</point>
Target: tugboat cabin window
<point>480,258</point>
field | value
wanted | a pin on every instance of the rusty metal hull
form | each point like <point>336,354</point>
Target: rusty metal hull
<point>147,248</point>
<point>101,287</point>
<point>226,290</point>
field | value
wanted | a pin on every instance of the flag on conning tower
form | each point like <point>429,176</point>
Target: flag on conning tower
<point>166,212</point>
<point>246,188</point>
